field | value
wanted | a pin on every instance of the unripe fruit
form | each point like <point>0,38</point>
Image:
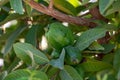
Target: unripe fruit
<point>59,36</point>
<point>73,56</point>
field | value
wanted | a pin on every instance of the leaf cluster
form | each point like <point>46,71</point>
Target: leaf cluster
<point>60,40</point>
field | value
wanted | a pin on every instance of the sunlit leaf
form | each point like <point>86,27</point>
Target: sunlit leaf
<point>65,6</point>
<point>75,3</point>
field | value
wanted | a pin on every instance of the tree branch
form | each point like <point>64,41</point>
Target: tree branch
<point>96,14</point>
<point>51,4</point>
<point>60,16</point>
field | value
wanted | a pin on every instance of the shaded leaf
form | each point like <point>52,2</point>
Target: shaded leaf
<point>115,7</point>
<point>116,61</point>
<point>65,76</point>
<point>28,9</point>
<point>94,65</point>
<point>52,71</point>
<point>32,35</point>
<point>80,70</point>
<point>13,64</point>
<point>12,38</point>
<point>25,74</point>
<point>17,6</point>
<point>69,73</point>
<point>59,63</point>
<point>24,51</point>
<point>3,75</point>
<point>108,58</point>
<point>12,17</point>
<point>96,46</point>
<point>1,32</point>
<point>118,75</point>
<point>88,37</point>
<point>104,5</point>
<point>108,47</point>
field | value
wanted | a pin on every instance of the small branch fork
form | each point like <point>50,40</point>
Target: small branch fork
<point>58,15</point>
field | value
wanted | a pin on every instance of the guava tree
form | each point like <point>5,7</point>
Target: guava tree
<point>60,39</point>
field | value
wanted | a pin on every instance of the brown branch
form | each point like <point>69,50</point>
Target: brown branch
<point>96,14</point>
<point>60,16</point>
<point>50,4</point>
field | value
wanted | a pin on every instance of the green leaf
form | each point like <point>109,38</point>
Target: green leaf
<point>12,38</point>
<point>69,73</point>
<point>28,9</point>
<point>104,5</point>
<point>84,2</point>
<point>96,46</point>
<point>12,17</point>
<point>108,47</point>
<point>17,6</point>
<point>94,65</point>
<point>115,7</point>
<point>32,35</point>
<point>52,71</point>
<point>3,75</point>
<point>116,61</point>
<point>1,32</point>
<point>108,58</point>
<point>65,6</point>
<point>12,66</point>
<point>106,75</point>
<point>25,74</point>
<point>118,75</point>
<point>24,51</point>
<point>88,37</point>
<point>65,76</point>
<point>80,70</point>
<point>75,3</point>
<point>59,63</point>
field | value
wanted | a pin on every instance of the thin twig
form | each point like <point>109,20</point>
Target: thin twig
<point>50,5</point>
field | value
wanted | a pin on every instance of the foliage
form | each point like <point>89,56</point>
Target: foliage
<point>81,39</point>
